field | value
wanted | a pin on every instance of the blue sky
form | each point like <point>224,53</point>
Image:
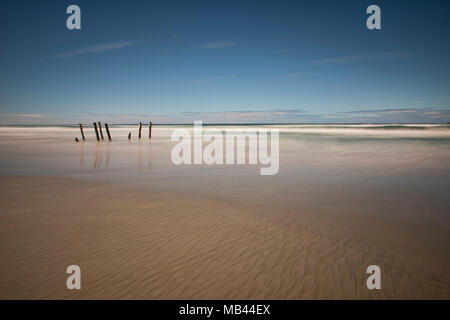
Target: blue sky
<point>224,61</point>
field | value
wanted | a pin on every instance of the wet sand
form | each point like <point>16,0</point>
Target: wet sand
<point>132,244</point>
<point>141,228</point>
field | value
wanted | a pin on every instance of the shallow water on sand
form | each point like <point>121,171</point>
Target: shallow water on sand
<point>345,197</point>
<point>396,164</point>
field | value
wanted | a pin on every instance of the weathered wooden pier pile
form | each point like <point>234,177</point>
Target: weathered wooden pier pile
<point>99,132</point>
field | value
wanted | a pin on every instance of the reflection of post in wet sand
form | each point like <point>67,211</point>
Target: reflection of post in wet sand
<point>108,153</point>
<point>99,150</point>
<point>139,152</point>
<point>150,153</point>
<point>141,156</point>
<point>98,155</point>
<point>102,156</point>
<point>82,153</point>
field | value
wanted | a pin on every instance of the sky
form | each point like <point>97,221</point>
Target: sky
<point>224,62</point>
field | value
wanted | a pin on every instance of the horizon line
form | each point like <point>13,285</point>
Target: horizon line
<point>230,124</point>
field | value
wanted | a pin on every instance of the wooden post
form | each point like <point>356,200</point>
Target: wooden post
<point>96,131</point>
<point>140,128</point>
<point>81,129</point>
<point>100,129</point>
<point>107,131</point>
<point>150,130</point>
<point>129,136</point>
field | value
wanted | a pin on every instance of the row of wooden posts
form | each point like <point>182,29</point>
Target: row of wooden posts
<point>99,129</point>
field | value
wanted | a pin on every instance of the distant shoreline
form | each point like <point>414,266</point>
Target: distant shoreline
<point>236,124</point>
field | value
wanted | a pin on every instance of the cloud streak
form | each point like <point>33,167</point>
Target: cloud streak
<point>401,115</point>
<point>223,44</point>
<point>209,79</point>
<point>300,75</point>
<point>364,57</point>
<point>98,48</point>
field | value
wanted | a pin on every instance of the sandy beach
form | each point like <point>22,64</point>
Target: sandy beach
<point>141,228</point>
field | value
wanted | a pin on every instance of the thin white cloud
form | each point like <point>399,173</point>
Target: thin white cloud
<point>364,57</point>
<point>300,75</point>
<point>220,44</point>
<point>29,118</point>
<point>98,48</point>
<point>249,116</point>
<point>209,79</point>
<point>405,115</point>
<point>400,115</point>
